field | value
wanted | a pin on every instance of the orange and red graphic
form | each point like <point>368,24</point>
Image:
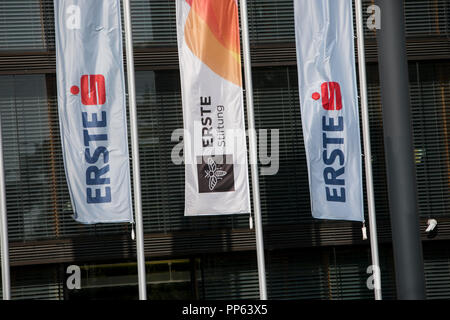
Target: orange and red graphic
<point>212,34</point>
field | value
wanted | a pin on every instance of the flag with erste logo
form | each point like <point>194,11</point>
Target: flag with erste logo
<point>329,107</point>
<point>91,105</point>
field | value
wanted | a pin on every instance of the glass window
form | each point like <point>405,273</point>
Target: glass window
<point>36,282</point>
<point>21,25</point>
<point>430,98</point>
<point>166,280</point>
<point>27,145</point>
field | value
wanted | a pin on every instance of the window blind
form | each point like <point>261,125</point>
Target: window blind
<point>229,277</point>
<point>328,273</point>
<point>154,22</point>
<point>430,92</point>
<point>437,271</point>
<point>21,25</point>
<point>37,283</point>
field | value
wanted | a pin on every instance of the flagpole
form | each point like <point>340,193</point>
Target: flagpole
<point>367,151</point>
<point>399,152</point>
<point>253,154</point>
<point>135,153</point>
<point>6,287</point>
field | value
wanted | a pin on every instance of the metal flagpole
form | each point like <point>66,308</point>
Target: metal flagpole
<point>399,152</point>
<point>253,154</point>
<point>135,153</point>
<point>6,287</point>
<point>367,151</point>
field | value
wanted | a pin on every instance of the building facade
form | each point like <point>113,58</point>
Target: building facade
<point>212,257</point>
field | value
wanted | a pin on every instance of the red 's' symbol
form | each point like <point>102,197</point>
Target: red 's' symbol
<point>331,96</point>
<point>93,89</point>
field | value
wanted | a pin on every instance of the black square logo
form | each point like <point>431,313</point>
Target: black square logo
<point>215,173</point>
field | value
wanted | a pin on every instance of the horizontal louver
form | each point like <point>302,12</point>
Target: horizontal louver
<point>46,284</point>
<point>299,275</point>
<point>437,271</point>
<point>229,277</point>
<point>271,26</point>
<point>427,18</point>
<point>24,114</point>
<point>154,22</point>
<point>21,25</point>
<point>349,278</point>
<point>430,100</point>
<point>327,273</point>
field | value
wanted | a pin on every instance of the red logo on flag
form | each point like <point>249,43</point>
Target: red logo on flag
<point>92,90</point>
<point>331,96</point>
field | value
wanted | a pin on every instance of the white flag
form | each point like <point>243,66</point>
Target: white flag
<point>215,152</point>
<point>91,100</point>
<point>329,107</point>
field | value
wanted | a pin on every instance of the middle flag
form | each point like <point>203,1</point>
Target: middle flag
<point>215,151</point>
